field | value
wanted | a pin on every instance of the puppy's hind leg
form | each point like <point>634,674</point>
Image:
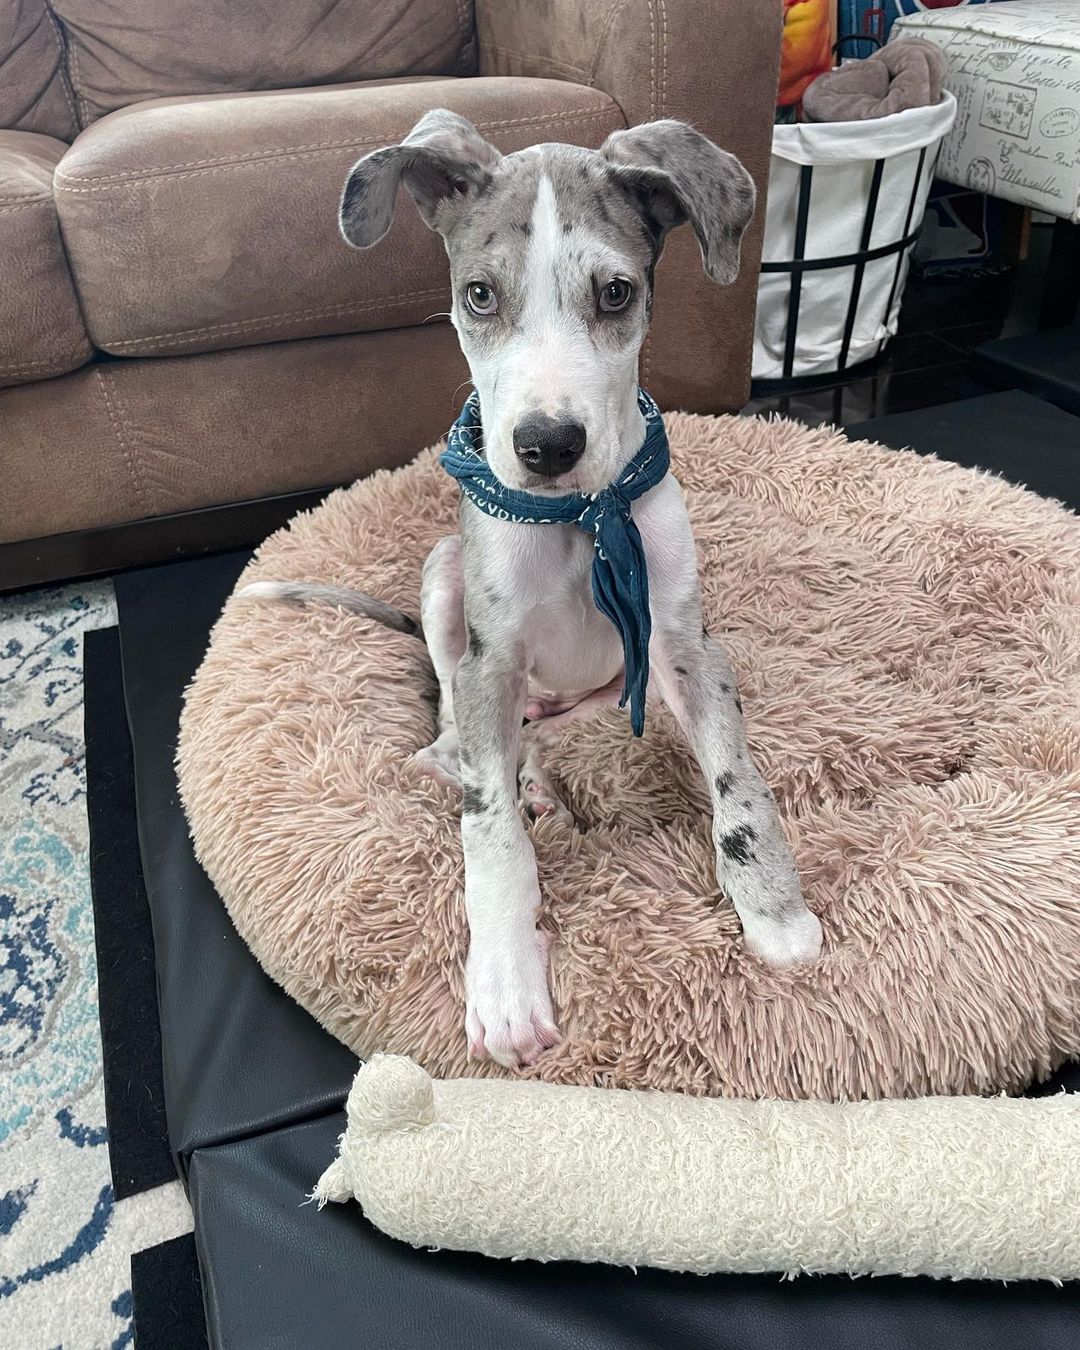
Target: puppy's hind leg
<point>442,614</point>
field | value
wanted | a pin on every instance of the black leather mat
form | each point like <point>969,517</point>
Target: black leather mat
<point>279,1273</point>
<point>127,982</point>
<point>238,1055</point>
<point>166,1297</point>
<point>1012,433</point>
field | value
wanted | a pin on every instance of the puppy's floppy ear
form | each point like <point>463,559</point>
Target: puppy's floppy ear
<point>443,161</point>
<point>675,174</point>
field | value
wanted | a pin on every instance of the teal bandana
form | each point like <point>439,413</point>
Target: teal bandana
<point>620,580</point>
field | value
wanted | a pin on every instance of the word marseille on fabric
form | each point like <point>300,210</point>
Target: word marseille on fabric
<point>620,579</point>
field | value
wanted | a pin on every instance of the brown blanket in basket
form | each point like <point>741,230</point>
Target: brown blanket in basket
<point>906,74</point>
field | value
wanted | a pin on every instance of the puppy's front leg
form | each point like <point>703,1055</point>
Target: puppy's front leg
<point>508,1006</point>
<point>753,862</point>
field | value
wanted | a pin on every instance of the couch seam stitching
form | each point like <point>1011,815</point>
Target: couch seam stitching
<point>534,60</point>
<point>605,29</point>
<point>65,79</point>
<point>646,350</point>
<point>125,449</point>
<point>62,360</point>
<point>175,336</point>
<point>107,181</point>
<point>652,58</point>
<point>21,203</point>
<point>76,88</point>
<point>663,57</point>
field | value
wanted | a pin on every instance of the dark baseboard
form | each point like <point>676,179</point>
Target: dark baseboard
<point>138,543</point>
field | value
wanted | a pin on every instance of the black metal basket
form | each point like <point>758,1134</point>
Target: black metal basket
<point>799,264</point>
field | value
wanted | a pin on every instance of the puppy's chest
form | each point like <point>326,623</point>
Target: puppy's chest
<point>545,596</point>
<point>574,648</point>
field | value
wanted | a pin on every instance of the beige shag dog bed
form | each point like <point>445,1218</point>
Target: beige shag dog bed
<point>907,637</point>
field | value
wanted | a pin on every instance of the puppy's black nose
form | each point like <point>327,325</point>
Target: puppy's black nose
<point>548,447</point>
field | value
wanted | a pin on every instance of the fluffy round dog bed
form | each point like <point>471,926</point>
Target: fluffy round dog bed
<point>907,636</point>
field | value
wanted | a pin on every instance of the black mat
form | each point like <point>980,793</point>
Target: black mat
<point>276,1273</point>
<point>239,1056</point>
<point>127,983</point>
<point>1046,364</point>
<point>166,1297</point>
<point>1020,437</point>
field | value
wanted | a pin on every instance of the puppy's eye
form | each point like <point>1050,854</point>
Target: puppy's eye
<point>615,295</point>
<point>481,299</point>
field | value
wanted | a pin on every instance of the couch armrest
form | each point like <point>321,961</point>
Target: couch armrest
<point>713,63</point>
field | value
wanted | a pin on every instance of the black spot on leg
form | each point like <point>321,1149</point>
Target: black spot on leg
<point>489,240</point>
<point>746,805</point>
<point>736,844</point>
<point>567,226</point>
<point>725,688</point>
<point>472,800</point>
<point>738,702</point>
<point>477,645</point>
<point>724,783</point>
<point>680,670</point>
<point>525,227</point>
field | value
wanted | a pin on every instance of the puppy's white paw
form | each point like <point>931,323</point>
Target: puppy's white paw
<point>508,1013</point>
<point>785,941</point>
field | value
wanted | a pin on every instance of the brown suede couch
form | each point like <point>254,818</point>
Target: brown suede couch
<point>181,324</point>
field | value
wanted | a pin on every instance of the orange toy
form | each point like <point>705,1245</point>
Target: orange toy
<point>807,47</point>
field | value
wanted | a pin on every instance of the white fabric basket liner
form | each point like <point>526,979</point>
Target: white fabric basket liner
<point>864,187</point>
<point>880,137</point>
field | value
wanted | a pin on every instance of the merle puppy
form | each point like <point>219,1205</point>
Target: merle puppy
<point>552,251</point>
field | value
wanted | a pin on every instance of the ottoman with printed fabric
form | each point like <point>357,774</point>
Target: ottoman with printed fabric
<point>1015,72</point>
<point>1014,68</point>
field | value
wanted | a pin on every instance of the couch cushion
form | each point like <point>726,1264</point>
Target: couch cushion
<point>165,48</point>
<point>41,330</point>
<point>130,440</point>
<point>34,94</point>
<point>212,222</point>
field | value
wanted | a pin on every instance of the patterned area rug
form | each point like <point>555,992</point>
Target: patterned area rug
<point>65,1242</point>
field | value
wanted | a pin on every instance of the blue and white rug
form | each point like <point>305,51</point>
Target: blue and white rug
<point>65,1242</point>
